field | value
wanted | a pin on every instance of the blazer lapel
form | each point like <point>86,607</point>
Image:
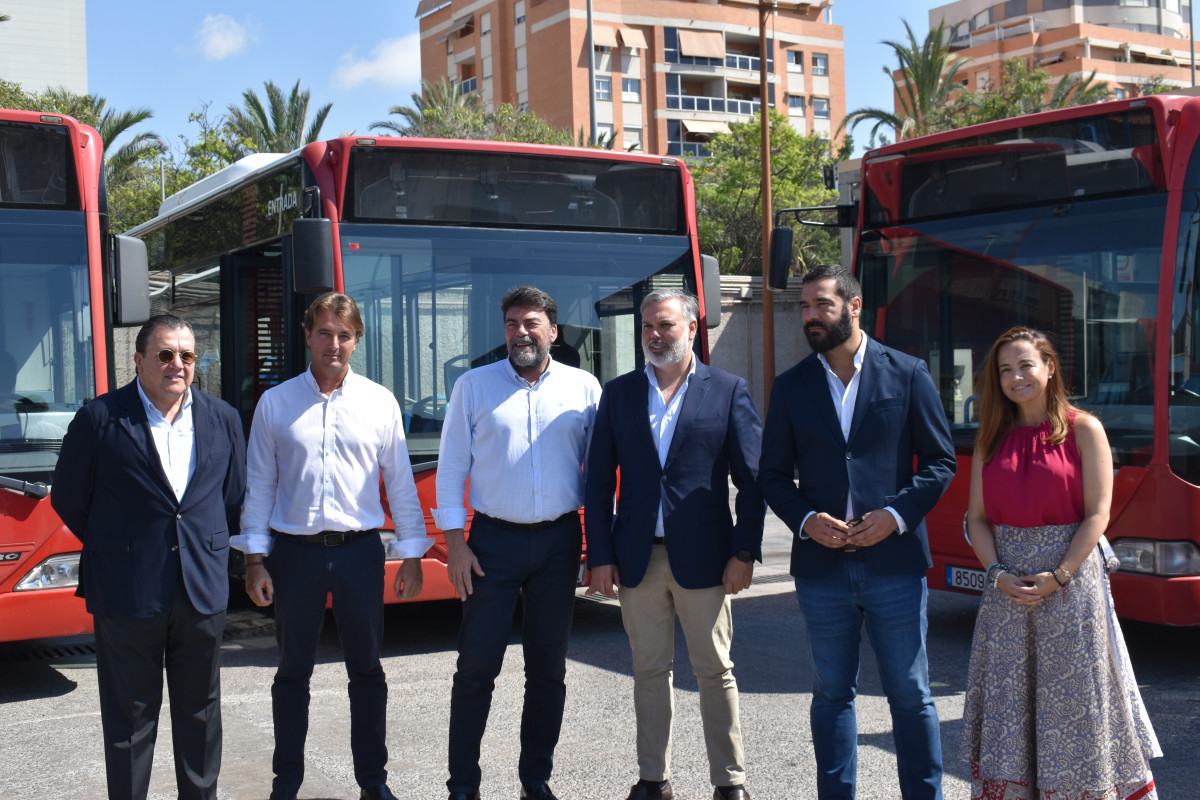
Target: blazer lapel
<point>693,401</point>
<point>203,430</point>
<point>817,381</point>
<point>874,360</point>
<point>137,426</point>
<point>638,408</point>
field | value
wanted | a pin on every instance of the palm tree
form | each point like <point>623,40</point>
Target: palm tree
<point>1073,90</point>
<point>928,77</point>
<point>439,110</point>
<point>277,127</point>
<point>92,109</point>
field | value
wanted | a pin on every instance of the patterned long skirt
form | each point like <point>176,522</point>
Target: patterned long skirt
<point>1052,708</point>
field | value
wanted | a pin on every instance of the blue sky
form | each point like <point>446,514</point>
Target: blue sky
<point>362,56</point>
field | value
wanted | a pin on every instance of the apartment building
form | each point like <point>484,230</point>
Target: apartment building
<point>1127,42</point>
<point>43,44</point>
<point>668,74</point>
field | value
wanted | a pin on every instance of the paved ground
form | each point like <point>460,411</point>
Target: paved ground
<point>50,725</point>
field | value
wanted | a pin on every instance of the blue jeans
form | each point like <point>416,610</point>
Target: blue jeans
<point>893,606</point>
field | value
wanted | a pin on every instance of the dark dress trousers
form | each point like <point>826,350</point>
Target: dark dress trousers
<point>154,574</point>
<point>715,438</point>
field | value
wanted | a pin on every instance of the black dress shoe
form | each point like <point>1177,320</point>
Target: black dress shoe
<point>380,792</point>
<point>731,793</point>
<point>464,796</point>
<point>651,790</point>
<point>539,792</point>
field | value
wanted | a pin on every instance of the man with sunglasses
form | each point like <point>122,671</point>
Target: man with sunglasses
<point>151,478</point>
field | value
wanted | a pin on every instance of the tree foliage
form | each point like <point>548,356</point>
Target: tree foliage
<point>439,111</point>
<point>280,125</point>
<point>928,81</point>
<point>729,193</point>
<point>1024,91</point>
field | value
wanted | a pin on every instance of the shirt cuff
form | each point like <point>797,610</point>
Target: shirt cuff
<point>448,519</point>
<point>253,543</point>
<point>408,547</point>
<point>804,536</point>
<point>900,526</point>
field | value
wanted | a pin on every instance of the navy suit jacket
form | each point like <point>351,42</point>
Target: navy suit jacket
<point>112,492</point>
<point>897,416</point>
<point>717,436</point>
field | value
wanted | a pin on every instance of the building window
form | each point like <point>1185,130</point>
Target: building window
<point>633,138</point>
<point>1119,93</point>
<point>795,104</point>
<point>467,86</point>
<point>820,64</point>
<point>795,60</point>
<point>631,90</point>
<point>821,108</point>
<point>604,88</point>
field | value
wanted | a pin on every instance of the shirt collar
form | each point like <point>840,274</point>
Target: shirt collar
<point>653,376</point>
<point>311,380</point>
<point>516,376</point>
<point>859,355</point>
<point>152,412</point>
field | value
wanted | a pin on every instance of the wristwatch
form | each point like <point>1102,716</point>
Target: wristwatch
<point>744,555</point>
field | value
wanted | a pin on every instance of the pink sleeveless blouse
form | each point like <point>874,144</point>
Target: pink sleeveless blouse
<point>1030,483</point>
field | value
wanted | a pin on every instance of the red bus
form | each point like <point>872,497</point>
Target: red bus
<point>1084,223</point>
<point>64,285</point>
<point>427,236</point>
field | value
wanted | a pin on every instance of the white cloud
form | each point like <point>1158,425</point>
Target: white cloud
<point>221,36</point>
<point>394,62</point>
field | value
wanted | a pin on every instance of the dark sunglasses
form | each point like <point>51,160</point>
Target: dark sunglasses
<point>167,355</point>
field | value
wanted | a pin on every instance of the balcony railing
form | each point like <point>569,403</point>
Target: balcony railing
<point>739,61</point>
<point>689,102</point>
<point>467,86</point>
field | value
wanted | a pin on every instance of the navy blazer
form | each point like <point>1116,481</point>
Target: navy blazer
<point>717,436</point>
<point>112,492</point>
<point>897,416</point>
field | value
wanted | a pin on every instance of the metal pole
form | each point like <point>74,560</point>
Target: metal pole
<point>591,54</point>
<point>1192,39</point>
<point>768,302</point>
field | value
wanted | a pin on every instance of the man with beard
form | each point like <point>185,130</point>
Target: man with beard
<point>673,547</point>
<point>848,421</point>
<point>518,429</point>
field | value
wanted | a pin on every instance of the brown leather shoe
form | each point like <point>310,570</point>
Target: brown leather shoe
<point>651,790</point>
<point>731,793</point>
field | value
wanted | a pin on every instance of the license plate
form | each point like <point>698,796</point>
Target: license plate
<point>965,578</point>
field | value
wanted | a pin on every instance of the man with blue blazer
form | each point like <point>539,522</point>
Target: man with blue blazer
<point>849,421</point>
<point>151,478</point>
<point>677,431</point>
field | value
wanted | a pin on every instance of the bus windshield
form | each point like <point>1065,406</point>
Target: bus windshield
<point>430,299</point>
<point>46,369</point>
<point>1086,272</point>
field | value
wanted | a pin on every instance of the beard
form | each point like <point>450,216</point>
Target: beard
<point>833,335</point>
<point>537,354</point>
<point>675,353</point>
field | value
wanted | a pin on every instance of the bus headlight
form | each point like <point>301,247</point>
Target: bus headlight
<point>1157,558</point>
<point>56,572</point>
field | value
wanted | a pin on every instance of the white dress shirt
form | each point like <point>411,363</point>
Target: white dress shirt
<point>845,396</point>
<point>523,447</point>
<point>174,441</point>
<point>663,418</point>
<point>314,464</point>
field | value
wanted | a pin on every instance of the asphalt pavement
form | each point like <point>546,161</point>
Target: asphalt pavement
<point>50,725</point>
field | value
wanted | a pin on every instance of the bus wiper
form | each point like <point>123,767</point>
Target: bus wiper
<point>38,490</point>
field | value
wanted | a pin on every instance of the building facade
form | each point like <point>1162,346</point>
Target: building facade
<point>669,74</point>
<point>43,44</point>
<point>1128,43</point>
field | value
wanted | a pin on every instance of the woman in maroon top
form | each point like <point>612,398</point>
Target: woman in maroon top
<point>1052,708</point>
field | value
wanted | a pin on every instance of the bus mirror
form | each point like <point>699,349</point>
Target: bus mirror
<point>312,255</point>
<point>781,258</point>
<point>710,273</point>
<point>131,303</point>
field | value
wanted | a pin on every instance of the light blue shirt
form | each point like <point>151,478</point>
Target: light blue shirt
<point>845,397</point>
<point>175,442</point>
<point>314,463</point>
<point>663,418</point>
<point>523,447</point>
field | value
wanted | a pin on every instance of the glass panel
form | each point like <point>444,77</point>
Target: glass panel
<point>430,300</point>
<point>1087,274</point>
<point>36,166</point>
<point>1184,397</point>
<point>514,190</point>
<point>46,369</point>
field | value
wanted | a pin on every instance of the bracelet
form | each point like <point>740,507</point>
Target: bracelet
<point>254,563</point>
<point>994,572</point>
<point>1060,581</point>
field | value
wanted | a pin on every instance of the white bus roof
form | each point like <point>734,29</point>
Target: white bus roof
<point>213,184</point>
